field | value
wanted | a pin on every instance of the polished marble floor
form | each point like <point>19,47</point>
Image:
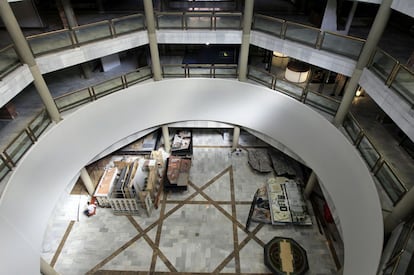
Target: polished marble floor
<point>201,230</point>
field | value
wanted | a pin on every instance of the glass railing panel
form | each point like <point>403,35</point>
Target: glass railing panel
<point>108,87</point>
<point>49,42</point>
<point>289,88</point>
<point>201,70</point>
<point>382,64</point>
<point>4,169</point>
<point>73,100</point>
<point>39,124</point>
<point>403,83</point>
<point>225,71</point>
<point>173,70</point>
<point>92,32</point>
<point>18,147</point>
<point>198,21</point>
<point>368,152</point>
<point>391,184</point>
<point>169,21</point>
<point>260,76</point>
<point>352,128</point>
<point>129,24</point>
<point>8,60</point>
<point>343,45</point>
<point>228,21</point>
<point>142,74</point>
<point>268,24</point>
<point>303,34</point>
<point>322,102</point>
<point>401,243</point>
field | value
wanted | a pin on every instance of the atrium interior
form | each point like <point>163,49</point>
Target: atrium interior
<point>89,51</point>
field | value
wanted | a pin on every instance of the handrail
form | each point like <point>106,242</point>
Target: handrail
<point>30,37</point>
<point>107,22</point>
<point>396,257</point>
<point>270,18</point>
<point>390,75</point>
<point>33,138</point>
<point>213,14</point>
<point>126,17</point>
<point>383,52</point>
<point>302,25</point>
<point>14,65</point>
<point>346,36</point>
<point>376,168</point>
<point>394,174</point>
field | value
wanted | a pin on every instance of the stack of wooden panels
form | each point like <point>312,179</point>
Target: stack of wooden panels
<point>178,173</point>
<point>104,186</point>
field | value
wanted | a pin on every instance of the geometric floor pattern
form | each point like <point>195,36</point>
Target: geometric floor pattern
<point>200,231</point>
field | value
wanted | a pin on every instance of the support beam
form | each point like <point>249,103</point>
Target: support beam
<point>87,181</point>
<point>244,48</point>
<point>152,39</point>
<point>27,57</point>
<point>378,27</point>
<point>166,137</point>
<point>69,13</point>
<point>46,269</point>
<point>329,21</point>
<point>236,136</point>
<point>310,185</point>
<point>350,17</point>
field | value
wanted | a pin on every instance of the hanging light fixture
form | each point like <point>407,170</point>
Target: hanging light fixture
<point>279,60</point>
<point>296,71</point>
<point>359,92</point>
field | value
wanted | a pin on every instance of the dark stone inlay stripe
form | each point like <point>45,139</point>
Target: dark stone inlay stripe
<point>134,239</point>
<point>62,243</point>
<point>118,272</point>
<point>260,242</point>
<point>114,254</point>
<point>234,215</point>
<point>232,254</point>
<point>212,146</point>
<point>208,202</point>
<point>152,244</point>
<point>156,251</point>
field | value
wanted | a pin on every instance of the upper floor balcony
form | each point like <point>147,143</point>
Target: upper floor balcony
<point>64,48</point>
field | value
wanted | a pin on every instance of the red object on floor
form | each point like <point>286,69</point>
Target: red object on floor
<point>327,213</point>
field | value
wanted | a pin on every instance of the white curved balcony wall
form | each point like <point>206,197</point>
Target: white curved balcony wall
<point>369,1</point>
<point>323,59</point>
<point>66,58</point>
<point>298,127</point>
<point>199,37</point>
<point>404,6</point>
<point>13,83</point>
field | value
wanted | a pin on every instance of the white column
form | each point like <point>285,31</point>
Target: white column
<point>46,269</point>
<point>350,17</point>
<point>244,47</point>
<point>377,28</point>
<point>87,181</point>
<point>310,185</point>
<point>70,15</point>
<point>329,17</point>
<point>152,40</point>
<point>401,211</point>
<point>236,136</point>
<point>166,137</point>
<point>27,57</point>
